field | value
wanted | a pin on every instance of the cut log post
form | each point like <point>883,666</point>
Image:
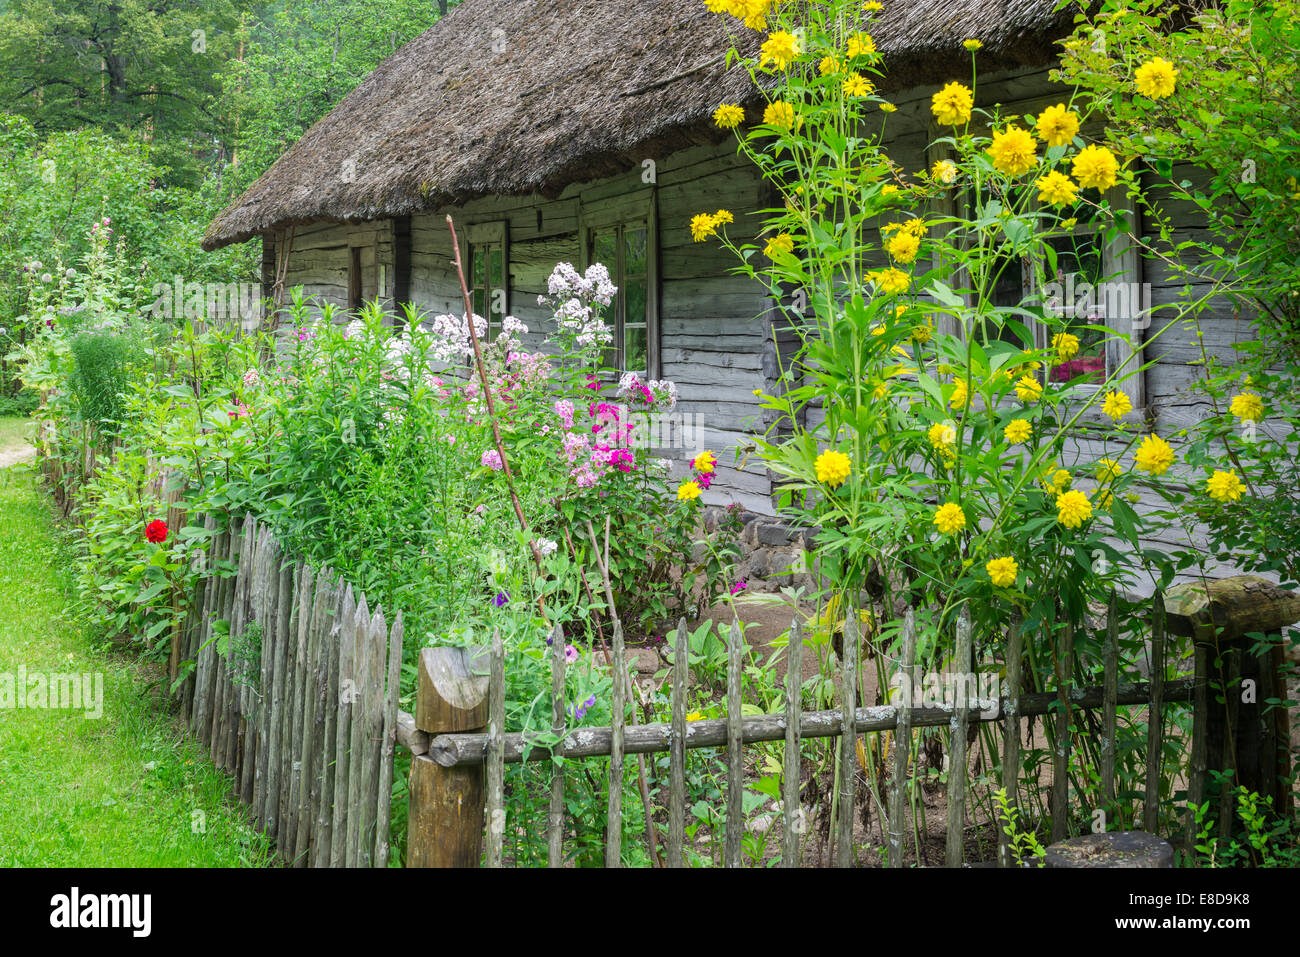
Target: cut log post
<point>1061,745</point>
<point>384,810</point>
<point>343,702</point>
<point>614,812</point>
<point>445,823</point>
<point>496,802</point>
<point>848,772</point>
<point>735,826</point>
<point>1242,736</point>
<point>1109,714</point>
<point>555,815</point>
<point>1155,717</point>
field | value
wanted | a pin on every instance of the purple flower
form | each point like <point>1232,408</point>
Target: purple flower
<point>580,709</point>
<point>491,459</point>
<point>570,654</point>
<point>501,599</point>
<point>737,588</point>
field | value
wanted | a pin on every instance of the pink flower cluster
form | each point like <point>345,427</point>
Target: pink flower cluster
<point>491,459</point>
<point>657,395</point>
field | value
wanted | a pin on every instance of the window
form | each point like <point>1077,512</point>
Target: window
<point>488,273</point>
<point>620,235</point>
<point>354,280</point>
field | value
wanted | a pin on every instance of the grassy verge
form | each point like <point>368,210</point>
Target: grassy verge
<point>125,789</point>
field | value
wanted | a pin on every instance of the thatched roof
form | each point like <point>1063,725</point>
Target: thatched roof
<point>580,89</point>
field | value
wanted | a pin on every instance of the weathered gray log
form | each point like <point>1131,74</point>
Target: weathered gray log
<point>409,736</point>
<point>793,821</point>
<point>496,808</point>
<point>848,773</point>
<point>1011,710</point>
<point>955,848</point>
<point>677,747</point>
<point>902,741</point>
<point>614,812</point>
<point>1112,849</point>
<point>445,822</point>
<point>555,813</point>
<point>384,808</point>
<point>267,616</point>
<point>469,748</point>
<point>735,825</point>
<point>1109,717</point>
<point>254,542</point>
<point>1155,716</point>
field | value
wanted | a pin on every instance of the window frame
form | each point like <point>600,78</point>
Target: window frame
<point>619,212</point>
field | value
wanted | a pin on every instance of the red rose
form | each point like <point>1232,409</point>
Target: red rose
<point>156,531</point>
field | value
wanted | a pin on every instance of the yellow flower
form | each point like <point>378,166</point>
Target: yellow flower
<point>1069,223</point>
<point>903,246</point>
<point>855,84</point>
<point>1116,405</point>
<point>1073,509</point>
<point>705,462</point>
<point>722,217</point>
<point>1056,188</point>
<point>861,44</point>
<point>941,434</point>
<point>780,114</point>
<point>971,45</point>
<point>960,395</point>
<point>1017,431</point>
<point>1003,571</point>
<point>1248,407</point>
<point>1028,389</point>
<point>1156,78</point>
<point>1096,167</point>
<point>828,65</point>
<point>944,171</point>
<point>780,243</point>
<point>890,281</point>
<point>695,716</point>
<point>1154,455</point>
<point>752,12</point>
<point>1013,150</point>
<point>703,225</point>
<point>780,49</point>
<point>1224,486</point>
<point>1107,470</point>
<point>1066,345</point>
<point>1057,125</point>
<point>888,108</point>
<point>921,334</point>
<point>951,106</point>
<point>949,518</point>
<point>688,491</point>
<point>872,6</point>
<point>1105,498</point>
<point>833,467</point>
<point>880,391</point>
<point>728,116</point>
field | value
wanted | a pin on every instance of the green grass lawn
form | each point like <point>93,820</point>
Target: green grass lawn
<point>127,789</point>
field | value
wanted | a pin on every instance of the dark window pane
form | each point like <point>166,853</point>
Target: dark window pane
<point>478,266</point>
<point>494,267</point>
<point>635,293</point>
<point>1079,294</point>
<point>479,309</point>
<point>634,250</point>
<point>604,249</point>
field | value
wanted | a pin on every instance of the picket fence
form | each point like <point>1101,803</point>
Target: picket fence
<point>294,692</point>
<point>451,750</point>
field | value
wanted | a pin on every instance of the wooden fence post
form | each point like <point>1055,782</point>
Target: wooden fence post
<point>445,824</point>
<point>954,850</point>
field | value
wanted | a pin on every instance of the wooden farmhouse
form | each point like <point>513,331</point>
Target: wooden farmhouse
<point>581,131</point>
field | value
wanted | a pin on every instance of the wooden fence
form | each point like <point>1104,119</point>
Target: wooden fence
<point>457,741</point>
<point>294,692</point>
